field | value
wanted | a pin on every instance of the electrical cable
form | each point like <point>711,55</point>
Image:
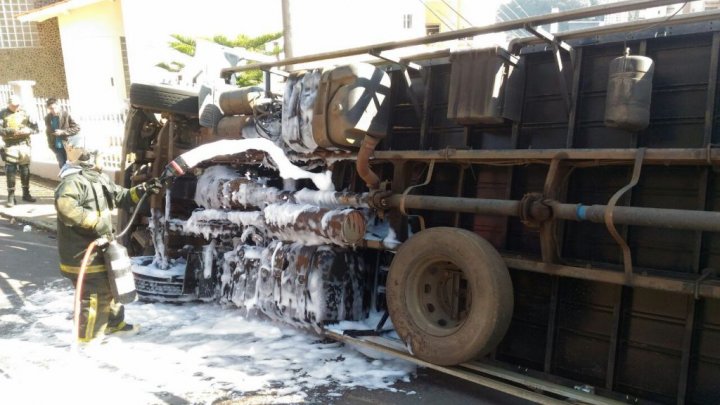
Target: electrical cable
<point>517,3</point>
<point>458,13</point>
<point>509,10</point>
<point>436,15</point>
<point>505,17</point>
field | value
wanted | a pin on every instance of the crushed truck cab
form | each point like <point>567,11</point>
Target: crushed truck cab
<point>549,206</point>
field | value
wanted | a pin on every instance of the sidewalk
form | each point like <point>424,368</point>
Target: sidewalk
<point>40,214</point>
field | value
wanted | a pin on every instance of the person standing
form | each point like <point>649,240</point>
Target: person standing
<point>59,125</point>
<point>83,200</point>
<point>16,126</point>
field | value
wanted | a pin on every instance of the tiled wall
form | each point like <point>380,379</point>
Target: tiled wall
<point>43,64</point>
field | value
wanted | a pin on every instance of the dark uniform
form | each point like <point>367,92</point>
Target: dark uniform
<point>16,152</point>
<point>84,199</point>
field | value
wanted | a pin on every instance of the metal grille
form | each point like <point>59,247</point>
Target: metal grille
<point>13,33</point>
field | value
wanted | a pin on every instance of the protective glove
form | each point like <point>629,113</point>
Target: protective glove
<point>103,228</point>
<point>153,186</point>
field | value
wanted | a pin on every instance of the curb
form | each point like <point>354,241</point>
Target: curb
<point>34,223</point>
<point>36,183</point>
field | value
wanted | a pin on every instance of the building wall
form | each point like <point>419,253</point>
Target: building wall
<point>92,49</point>
<point>42,64</point>
<point>148,26</point>
<point>451,15</point>
<point>328,25</point>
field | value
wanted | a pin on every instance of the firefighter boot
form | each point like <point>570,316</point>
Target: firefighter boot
<point>10,170</point>
<point>26,195</point>
<point>122,329</point>
<point>25,180</point>
<point>10,198</point>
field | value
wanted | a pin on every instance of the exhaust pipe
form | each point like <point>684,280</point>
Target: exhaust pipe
<point>367,148</point>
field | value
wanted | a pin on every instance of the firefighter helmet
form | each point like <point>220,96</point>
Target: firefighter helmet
<point>82,151</point>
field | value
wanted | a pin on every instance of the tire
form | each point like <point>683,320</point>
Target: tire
<point>136,122</point>
<point>164,99</point>
<point>427,270</point>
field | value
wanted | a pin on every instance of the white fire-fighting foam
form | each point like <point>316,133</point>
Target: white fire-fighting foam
<point>323,181</point>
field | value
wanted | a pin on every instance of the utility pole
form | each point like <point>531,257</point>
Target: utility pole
<point>287,31</point>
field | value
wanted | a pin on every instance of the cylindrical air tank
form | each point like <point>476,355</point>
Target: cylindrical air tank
<point>629,90</point>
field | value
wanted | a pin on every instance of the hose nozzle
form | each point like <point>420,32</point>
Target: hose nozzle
<point>176,167</point>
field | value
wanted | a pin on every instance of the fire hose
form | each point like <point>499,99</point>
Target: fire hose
<point>102,242</point>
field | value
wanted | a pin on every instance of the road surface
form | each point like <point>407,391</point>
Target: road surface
<point>30,263</point>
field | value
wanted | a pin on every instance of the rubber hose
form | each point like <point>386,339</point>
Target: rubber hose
<point>78,288</point>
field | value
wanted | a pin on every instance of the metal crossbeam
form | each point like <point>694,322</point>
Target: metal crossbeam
<point>594,11</point>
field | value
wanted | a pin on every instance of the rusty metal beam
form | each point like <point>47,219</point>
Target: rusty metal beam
<point>482,374</point>
<point>656,156</point>
<point>486,206</point>
<point>521,23</point>
<point>683,286</point>
<point>632,26</point>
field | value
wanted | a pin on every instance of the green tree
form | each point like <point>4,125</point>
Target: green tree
<point>186,45</point>
<point>183,44</point>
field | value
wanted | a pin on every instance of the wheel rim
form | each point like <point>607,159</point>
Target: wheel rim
<point>438,297</point>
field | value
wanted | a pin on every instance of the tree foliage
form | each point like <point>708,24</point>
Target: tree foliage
<point>183,44</point>
<point>186,45</point>
<point>256,44</point>
<point>172,66</point>
<point>249,78</point>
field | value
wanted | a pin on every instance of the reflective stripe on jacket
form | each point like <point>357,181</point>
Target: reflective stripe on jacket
<point>84,201</point>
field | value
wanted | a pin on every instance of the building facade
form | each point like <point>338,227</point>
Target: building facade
<point>30,50</point>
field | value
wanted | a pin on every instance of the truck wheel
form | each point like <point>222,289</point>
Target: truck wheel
<point>164,98</point>
<point>449,295</point>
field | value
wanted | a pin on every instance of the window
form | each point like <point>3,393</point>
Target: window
<point>407,21</point>
<point>126,64</point>
<point>13,33</point>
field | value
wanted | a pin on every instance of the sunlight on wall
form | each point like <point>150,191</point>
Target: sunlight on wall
<point>325,25</point>
<point>149,25</point>
<point>91,51</point>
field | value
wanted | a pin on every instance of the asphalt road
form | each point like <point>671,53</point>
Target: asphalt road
<point>29,261</point>
<point>430,387</point>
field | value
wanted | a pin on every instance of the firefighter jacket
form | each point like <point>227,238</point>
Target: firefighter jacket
<point>83,200</point>
<point>11,122</point>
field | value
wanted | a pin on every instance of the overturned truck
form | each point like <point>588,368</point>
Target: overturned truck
<point>549,208</point>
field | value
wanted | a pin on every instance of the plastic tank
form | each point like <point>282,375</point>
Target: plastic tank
<point>628,93</point>
<point>335,108</point>
<point>352,101</point>
<point>485,87</point>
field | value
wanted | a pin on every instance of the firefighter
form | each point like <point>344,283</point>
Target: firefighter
<point>16,126</point>
<point>83,200</point>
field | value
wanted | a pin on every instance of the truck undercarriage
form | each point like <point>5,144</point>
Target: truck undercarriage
<point>531,209</point>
